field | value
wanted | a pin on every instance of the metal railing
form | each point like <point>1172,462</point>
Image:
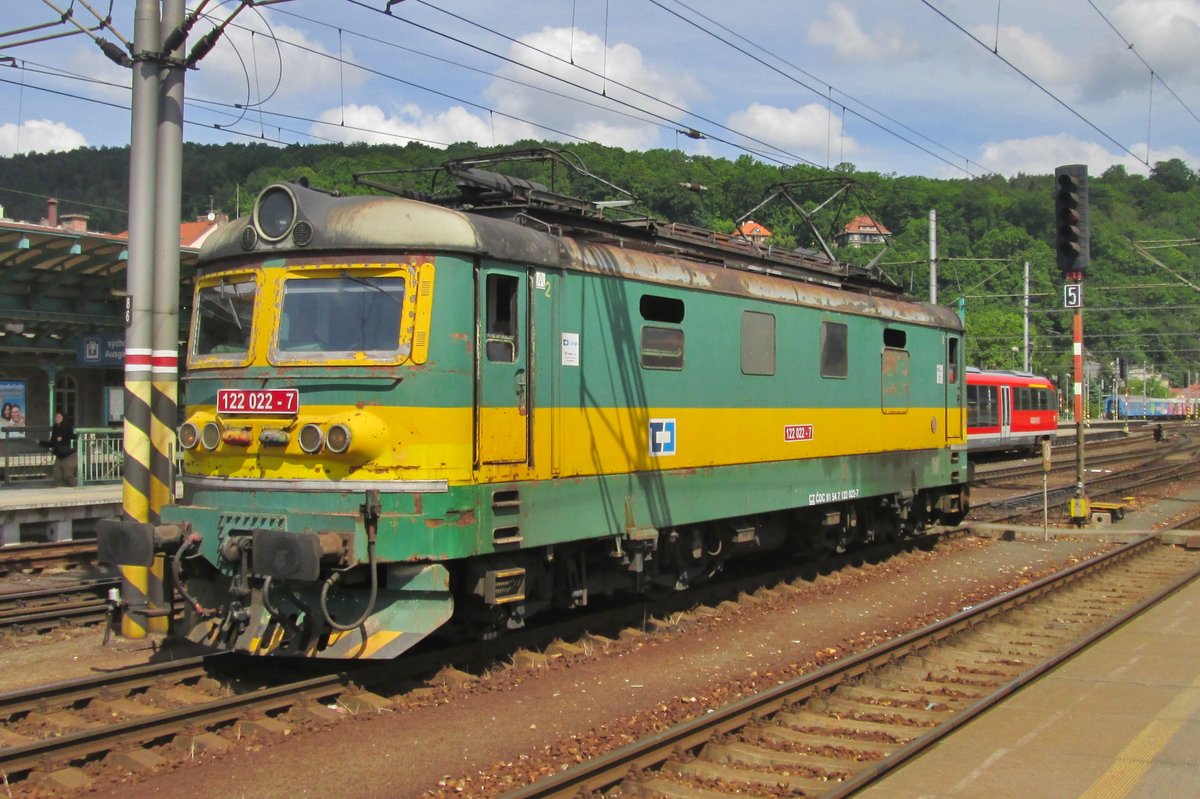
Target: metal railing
<point>100,455</point>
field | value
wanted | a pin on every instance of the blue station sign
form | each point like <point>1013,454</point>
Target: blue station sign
<point>100,349</point>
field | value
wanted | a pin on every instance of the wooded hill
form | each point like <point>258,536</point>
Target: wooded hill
<point>1142,291</point>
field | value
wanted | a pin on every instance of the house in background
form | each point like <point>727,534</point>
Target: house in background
<point>193,234</point>
<point>753,231</point>
<point>862,230</point>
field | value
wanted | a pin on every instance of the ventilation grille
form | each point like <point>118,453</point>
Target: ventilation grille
<point>227,522</point>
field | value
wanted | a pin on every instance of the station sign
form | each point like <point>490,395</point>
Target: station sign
<point>100,349</point>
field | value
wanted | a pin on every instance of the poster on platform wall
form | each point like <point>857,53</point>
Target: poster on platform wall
<point>114,402</point>
<point>12,410</point>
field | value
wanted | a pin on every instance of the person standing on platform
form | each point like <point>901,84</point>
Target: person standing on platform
<point>62,446</point>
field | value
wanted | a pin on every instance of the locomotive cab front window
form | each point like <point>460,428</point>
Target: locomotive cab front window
<point>224,312</point>
<point>343,314</point>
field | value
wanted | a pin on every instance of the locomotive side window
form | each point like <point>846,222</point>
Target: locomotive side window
<point>834,350</point>
<point>662,347</point>
<point>952,360</point>
<point>224,314</point>
<point>895,339</point>
<point>341,314</point>
<point>758,343</point>
<point>502,318</point>
<point>661,309</point>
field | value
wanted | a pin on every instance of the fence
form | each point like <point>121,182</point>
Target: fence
<point>100,454</point>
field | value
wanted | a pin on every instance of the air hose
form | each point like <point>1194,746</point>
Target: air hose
<point>191,541</point>
<point>333,580</point>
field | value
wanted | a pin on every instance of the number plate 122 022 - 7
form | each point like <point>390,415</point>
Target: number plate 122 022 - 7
<point>265,400</point>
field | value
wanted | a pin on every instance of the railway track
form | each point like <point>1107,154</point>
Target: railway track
<point>1063,460</point>
<point>832,732</point>
<point>79,603</point>
<point>39,557</point>
<point>134,718</point>
<point>144,717</point>
<point>1161,466</point>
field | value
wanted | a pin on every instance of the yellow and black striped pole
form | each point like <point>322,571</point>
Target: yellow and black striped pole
<point>164,357</point>
<point>157,117</point>
<point>136,488</point>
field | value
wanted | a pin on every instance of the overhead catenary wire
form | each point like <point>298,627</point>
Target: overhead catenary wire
<point>189,122</point>
<point>467,67</point>
<point>1074,112</point>
<point>843,106</point>
<point>608,80</point>
<point>1154,74</point>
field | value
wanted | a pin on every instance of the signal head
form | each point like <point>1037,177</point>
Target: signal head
<point>1070,218</point>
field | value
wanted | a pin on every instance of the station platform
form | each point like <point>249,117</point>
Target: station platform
<point>55,513</point>
<point>1121,720</point>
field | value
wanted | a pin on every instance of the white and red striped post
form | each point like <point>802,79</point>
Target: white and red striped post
<point>1080,512</point>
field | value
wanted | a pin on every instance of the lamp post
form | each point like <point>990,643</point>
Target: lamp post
<point>1016,361</point>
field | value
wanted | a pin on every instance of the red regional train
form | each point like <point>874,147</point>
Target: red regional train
<point>1009,410</point>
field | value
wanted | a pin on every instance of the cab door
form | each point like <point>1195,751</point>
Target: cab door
<point>502,358</point>
<point>954,386</point>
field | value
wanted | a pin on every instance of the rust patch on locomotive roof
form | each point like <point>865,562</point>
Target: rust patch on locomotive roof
<point>729,279</point>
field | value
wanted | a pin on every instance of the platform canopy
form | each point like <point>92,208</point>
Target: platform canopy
<point>58,285</point>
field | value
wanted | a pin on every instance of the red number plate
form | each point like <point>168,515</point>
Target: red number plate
<point>265,400</point>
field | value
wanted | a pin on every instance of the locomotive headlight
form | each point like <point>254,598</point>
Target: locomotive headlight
<point>275,212</point>
<point>338,438</point>
<point>189,436</point>
<point>210,436</point>
<point>311,438</point>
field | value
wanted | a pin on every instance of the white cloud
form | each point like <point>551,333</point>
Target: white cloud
<point>1035,55</point>
<point>580,103</point>
<point>370,123</point>
<point>808,131</point>
<point>39,136</point>
<point>1039,155</point>
<point>253,66</point>
<point>1163,33</point>
<point>850,42</point>
<point>551,103</point>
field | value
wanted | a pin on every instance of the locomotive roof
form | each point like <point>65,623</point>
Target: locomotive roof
<point>556,237</point>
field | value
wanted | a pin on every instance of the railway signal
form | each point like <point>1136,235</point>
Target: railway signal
<point>1071,246</point>
<point>1071,220</point>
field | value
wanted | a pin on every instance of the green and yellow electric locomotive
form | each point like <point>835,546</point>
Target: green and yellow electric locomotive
<point>404,416</point>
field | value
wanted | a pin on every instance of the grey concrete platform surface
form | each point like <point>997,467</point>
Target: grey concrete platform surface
<point>54,513</point>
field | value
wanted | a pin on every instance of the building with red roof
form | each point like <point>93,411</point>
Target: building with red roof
<point>754,231</point>
<point>862,230</point>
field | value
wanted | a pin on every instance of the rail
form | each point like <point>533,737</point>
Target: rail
<point>849,723</point>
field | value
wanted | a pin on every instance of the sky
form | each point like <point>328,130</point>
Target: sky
<point>941,88</point>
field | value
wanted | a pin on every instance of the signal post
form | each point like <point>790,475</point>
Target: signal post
<point>1072,252</point>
